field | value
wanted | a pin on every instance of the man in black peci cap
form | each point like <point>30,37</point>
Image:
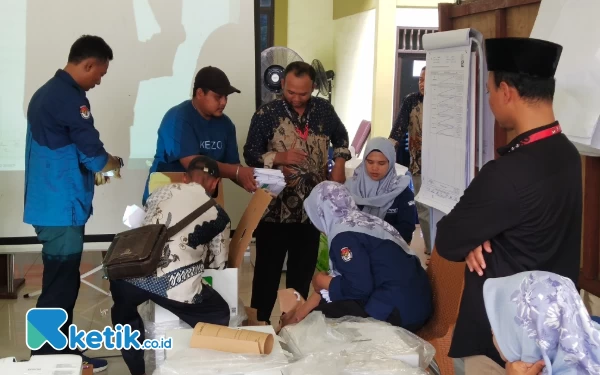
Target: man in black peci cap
<point>522,212</point>
<point>199,127</point>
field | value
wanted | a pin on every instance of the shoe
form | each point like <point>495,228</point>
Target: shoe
<point>98,363</point>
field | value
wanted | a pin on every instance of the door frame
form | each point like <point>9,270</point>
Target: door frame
<point>405,48</point>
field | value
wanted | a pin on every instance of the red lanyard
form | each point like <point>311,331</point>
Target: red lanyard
<point>302,133</point>
<point>538,136</point>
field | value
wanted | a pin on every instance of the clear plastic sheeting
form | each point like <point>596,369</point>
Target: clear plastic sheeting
<point>317,346</point>
<point>367,344</point>
<point>155,358</point>
<point>207,362</point>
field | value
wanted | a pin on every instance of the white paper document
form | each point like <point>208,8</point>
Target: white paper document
<point>134,216</point>
<point>445,128</point>
<point>270,179</point>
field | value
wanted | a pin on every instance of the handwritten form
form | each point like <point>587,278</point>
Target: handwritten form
<point>445,128</point>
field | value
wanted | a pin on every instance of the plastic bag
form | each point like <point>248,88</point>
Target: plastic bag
<point>323,257</point>
<point>361,340</point>
<point>207,362</point>
<point>317,346</point>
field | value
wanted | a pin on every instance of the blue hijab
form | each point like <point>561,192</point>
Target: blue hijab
<point>540,316</point>
<point>377,197</point>
<point>332,210</point>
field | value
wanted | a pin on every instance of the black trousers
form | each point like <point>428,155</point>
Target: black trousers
<point>61,254</point>
<point>213,309</point>
<point>273,241</point>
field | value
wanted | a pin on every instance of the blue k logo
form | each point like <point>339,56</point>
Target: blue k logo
<point>43,326</point>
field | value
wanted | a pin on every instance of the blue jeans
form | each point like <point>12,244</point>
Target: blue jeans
<point>61,255</point>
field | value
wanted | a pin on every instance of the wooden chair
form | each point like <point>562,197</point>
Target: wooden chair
<point>447,280</point>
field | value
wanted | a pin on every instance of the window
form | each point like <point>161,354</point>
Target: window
<point>417,67</point>
<point>266,19</point>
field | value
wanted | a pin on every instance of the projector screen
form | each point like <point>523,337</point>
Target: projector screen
<point>158,46</point>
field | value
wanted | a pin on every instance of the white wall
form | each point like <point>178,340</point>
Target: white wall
<point>354,50</point>
<point>155,61</point>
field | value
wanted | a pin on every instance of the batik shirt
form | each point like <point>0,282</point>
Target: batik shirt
<point>273,130</point>
<point>202,244</point>
<point>410,120</point>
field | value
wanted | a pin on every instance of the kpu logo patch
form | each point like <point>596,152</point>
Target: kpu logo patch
<point>346,254</point>
<point>85,112</point>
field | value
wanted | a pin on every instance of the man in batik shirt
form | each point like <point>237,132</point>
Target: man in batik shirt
<point>410,120</point>
<point>292,134</point>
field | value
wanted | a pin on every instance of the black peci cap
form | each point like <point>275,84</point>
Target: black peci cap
<point>535,57</point>
<point>204,164</point>
<point>213,79</point>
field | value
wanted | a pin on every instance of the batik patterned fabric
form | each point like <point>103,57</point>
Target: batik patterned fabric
<point>410,119</point>
<point>202,244</point>
<point>274,128</point>
<point>540,315</point>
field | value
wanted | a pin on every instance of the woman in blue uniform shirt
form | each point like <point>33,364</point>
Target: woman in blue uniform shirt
<point>379,191</point>
<point>373,271</point>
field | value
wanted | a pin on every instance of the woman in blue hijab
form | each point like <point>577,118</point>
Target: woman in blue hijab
<point>373,271</point>
<point>539,321</point>
<point>379,191</point>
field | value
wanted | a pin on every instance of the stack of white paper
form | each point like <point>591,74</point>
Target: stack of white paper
<point>270,179</point>
<point>450,145</point>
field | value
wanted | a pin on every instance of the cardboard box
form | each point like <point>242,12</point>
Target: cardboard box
<point>245,228</point>
<point>214,337</point>
<point>225,282</point>
<point>64,364</point>
<point>88,369</point>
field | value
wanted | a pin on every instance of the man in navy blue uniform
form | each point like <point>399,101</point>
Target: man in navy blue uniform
<point>63,153</point>
<point>199,127</point>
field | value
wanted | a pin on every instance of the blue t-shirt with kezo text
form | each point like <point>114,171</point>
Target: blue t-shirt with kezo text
<point>184,132</point>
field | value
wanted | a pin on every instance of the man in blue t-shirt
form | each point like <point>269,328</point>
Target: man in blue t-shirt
<point>199,127</point>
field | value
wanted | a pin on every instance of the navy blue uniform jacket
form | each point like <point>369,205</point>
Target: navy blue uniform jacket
<point>402,214</point>
<point>382,276</point>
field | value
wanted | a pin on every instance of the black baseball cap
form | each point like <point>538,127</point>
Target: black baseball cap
<point>213,79</point>
<point>204,164</point>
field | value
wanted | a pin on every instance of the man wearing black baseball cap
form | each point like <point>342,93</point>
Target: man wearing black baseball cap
<point>199,127</point>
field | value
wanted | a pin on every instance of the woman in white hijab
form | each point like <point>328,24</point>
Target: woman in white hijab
<point>540,325</point>
<point>379,191</point>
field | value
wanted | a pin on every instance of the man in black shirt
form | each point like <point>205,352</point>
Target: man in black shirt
<point>523,211</point>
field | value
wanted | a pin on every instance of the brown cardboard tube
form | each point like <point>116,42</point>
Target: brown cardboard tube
<point>214,337</point>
